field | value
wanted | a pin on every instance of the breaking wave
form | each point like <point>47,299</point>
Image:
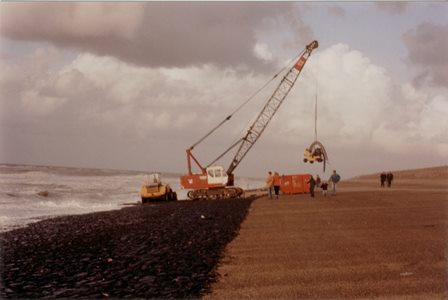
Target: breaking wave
<point>77,204</point>
<point>31,193</point>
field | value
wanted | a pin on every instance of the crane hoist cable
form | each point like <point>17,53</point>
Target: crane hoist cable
<point>316,151</point>
<point>315,115</point>
<point>242,105</point>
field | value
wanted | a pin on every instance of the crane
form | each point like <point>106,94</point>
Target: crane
<point>215,183</point>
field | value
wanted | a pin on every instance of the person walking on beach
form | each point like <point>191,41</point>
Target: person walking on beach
<point>324,187</point>
<point>276,183</point>
<point>334,179</point>
<point>270,184</point>
<point>312,184</point>
<point>389,178</point>
<point>318,181</point>
<point>383,178</point>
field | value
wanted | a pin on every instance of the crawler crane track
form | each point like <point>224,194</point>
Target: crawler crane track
<point>215,193</point>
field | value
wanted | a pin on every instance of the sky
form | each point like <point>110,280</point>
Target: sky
<point>132,85</point>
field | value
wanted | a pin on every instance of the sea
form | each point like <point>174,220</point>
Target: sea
<point>32,193</point>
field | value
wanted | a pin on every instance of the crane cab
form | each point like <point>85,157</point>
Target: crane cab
<point>214,176</point>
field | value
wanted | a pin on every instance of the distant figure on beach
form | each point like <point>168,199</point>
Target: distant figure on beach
<point>383,178</point>
<point>389,177</point>
<point>270,184</point>
<point>334,179</point>
<point>318,181</point>
<point>324,187</point>
<point>276,184</point>
<point>312,184</point>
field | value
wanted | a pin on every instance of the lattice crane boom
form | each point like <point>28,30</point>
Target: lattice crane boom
<point>270,108</point>
<point>213,182</point>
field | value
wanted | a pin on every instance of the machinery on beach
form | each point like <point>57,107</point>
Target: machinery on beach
<point>214,182</point>
<point>316,151</point>
<point>153,189</point>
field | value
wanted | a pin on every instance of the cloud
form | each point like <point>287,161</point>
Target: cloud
<point>151,34</point>
<point>336,10</point>
<point>60,22</point>
<point>395,7</point>
<point>100,110</point>
<point>419,122</point>
<point>262,51</point>
<point>352,94</point>
<point>362,111</point>
<point>301,32</point>
<point>97,103</point>
<point>428,53</point>
<point>94,96</point>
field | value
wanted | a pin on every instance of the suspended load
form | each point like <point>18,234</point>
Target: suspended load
<point>316,151</point>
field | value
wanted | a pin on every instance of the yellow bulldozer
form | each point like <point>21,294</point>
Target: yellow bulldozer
<point>153,189</point>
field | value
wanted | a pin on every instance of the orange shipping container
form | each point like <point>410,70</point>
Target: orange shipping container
<point>295,184</point>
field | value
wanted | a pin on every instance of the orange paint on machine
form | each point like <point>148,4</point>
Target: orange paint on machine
<point>197,181</point>
<point>299,65</point>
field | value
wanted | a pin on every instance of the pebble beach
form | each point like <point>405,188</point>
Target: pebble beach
<point>159,250</point>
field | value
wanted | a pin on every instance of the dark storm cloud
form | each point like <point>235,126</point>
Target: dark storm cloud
<point>428,52</point>
<point>153,34</point>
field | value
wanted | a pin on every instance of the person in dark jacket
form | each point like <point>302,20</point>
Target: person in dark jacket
<point>382,179</point>
<point>276,184</point>
<point>389,178</point>
<point>312,184</point>
<point>270,184</point>
<point>324,187</point>
<point>317,181</point>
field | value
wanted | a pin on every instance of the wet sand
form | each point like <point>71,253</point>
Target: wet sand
<point>364,242</point>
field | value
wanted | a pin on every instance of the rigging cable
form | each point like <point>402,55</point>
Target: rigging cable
<point>315,115</point>
<point>245,102</point>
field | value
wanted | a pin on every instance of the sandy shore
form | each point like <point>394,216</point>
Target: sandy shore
<point>364,242</point>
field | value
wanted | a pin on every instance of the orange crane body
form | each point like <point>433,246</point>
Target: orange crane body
<point>196,180</point>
